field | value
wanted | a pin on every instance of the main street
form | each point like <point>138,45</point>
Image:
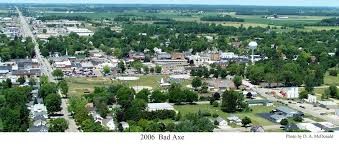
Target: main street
<point>46,69</point>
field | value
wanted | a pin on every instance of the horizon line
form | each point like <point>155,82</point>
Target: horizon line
<point>198,4</point>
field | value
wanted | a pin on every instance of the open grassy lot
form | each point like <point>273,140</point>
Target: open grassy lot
<point>256,119</point>
<point>331,80</point>
<point>79,85</point>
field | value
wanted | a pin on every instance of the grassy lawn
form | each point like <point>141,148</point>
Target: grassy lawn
<point>77,86</point>
<point>331,80</point>
<point>256,119</point>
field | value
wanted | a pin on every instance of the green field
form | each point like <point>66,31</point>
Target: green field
<point>331,80</point>
<point>79,85</point>
<point>256,119</point>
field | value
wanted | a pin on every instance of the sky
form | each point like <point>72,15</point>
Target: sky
<point>331,3</point>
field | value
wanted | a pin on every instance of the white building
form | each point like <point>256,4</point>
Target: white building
<point>309,126</point>
<point>292,92</point>
<point>80,31</point>
<point>311,98</point>
<point>159,106</point>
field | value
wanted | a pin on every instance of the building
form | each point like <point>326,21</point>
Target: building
<point>124,125</point>
<point>326,126</point>
<point>80,31</point>
<point>260,102</point>
<point>159,106</point>
<point>137,55</point>
<point>284,112</point>
<point>234,119</point>
<point>163,56</point>
<point>108,122</point>
<point>257,129</point>
<point>310,127</point>
<point>221,121</point>
<point>328,104</point>
<point>311,99</point>
<point>221,85</point>
<point>288,111</point>
<point>199,60</point>
<point>178,56</point>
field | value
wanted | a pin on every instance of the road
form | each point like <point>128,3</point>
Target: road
<point>46,69</point>
<point>308,110</point>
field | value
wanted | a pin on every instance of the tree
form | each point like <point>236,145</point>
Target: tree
<point>137,65</point>
<point>158,96</point>
<point>32,82</point>
<point>118,53</point>
<point>196,82</point>
<point>58,125</point>
<point>303,94</point>
<point>151,70</point>
<point>298,118</point>
<point>53,102</point>
<point>309,82</point>
<point>143,94</point>
<point>47,88</point>
<point>333,91</point>
<point>7,83</point>
<point>90,126</point>
<point>63,87</point>
<point>121,66</point>
<point>237,81</point>
<point>44,31</point>
<point>106,69</point>
<point>146,69</point>
<point>245,121</point>
<point>216,96</point>
<point>284,122</point>
<point>232,101</point>
<point>190,96</point>
<point>58,73</point>
<point>21,80</point>
<point>158,69</point>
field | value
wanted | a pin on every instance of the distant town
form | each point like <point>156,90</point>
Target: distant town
<point>200,69</point>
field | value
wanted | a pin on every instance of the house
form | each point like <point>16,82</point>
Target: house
<point>221,121</point>
<point>41,128</point>
<point>108,122</point>
<point>163,55</point>
<point>124,125</point>
<point>178,56</point>
<point>159,106</point>
<point>234,119</point>
<point>87,65</point>
<point>257,129</point>
<point>221,85</point>
<point>137,55</point>
<point>215,56</point>
<point>259,102</point>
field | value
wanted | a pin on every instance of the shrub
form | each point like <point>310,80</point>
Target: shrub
<point>216,122</point>
<point>215,115</point>
<point>333,73</point>
<point>215,104</point>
